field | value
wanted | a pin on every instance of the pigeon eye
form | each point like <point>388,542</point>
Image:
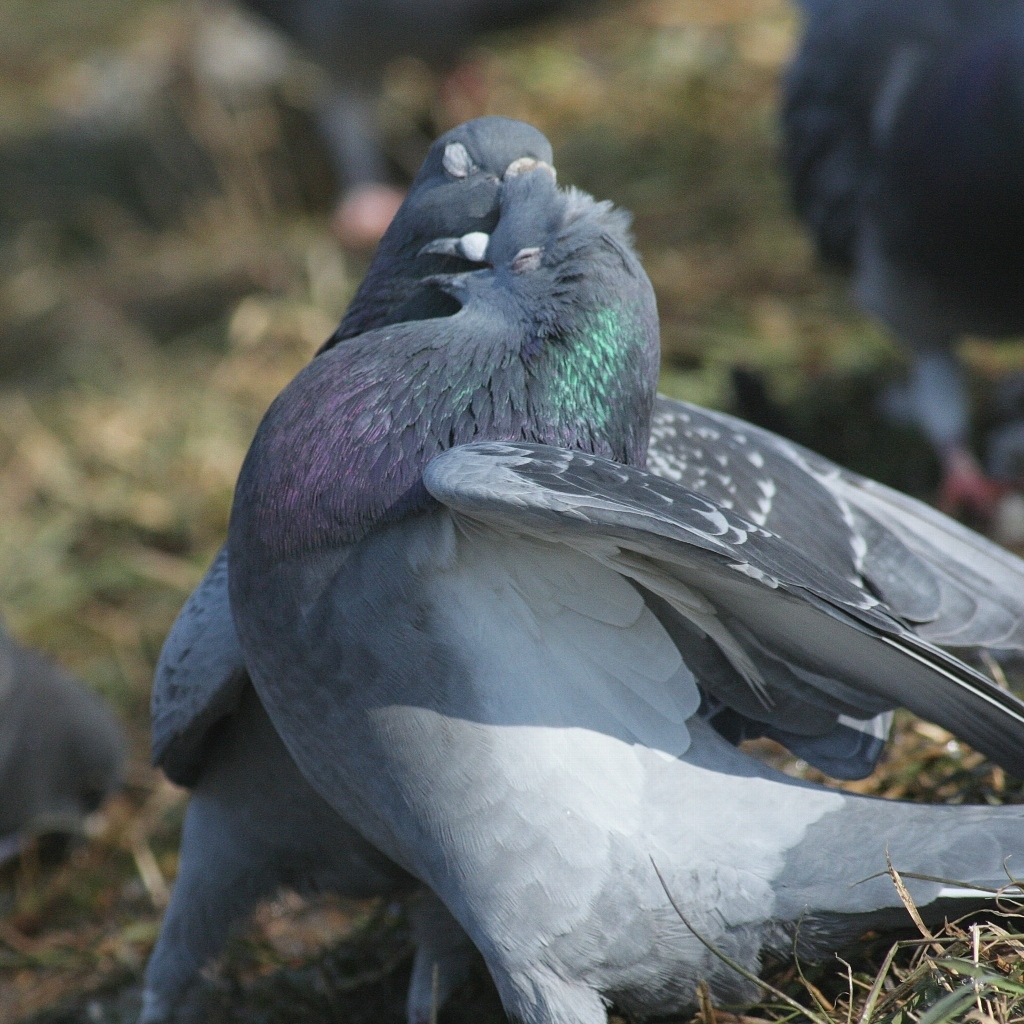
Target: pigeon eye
<point>527,259</point>
<point>457,161</point>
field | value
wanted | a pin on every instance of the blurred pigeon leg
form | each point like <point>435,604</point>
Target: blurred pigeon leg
<point>348,121</point>
<point>939,396</point>
<point>363,215</point>
<point>966,488</point>
<point>441,946</point>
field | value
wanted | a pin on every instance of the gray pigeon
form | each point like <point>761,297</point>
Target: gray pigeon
<point>354,41</point>
<point>478,623</point>
<point>62,752</point>
<point>951,587</point>
<point>201,674</point>
<point>244,837</point>
<point>904,143</point>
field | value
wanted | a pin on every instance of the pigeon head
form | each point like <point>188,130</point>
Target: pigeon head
<point>556,341</point>
<point>551,257</point>
<point>456,192</point>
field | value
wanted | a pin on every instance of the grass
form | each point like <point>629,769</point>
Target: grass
<point>165,268</point>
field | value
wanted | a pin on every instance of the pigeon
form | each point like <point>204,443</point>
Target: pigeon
<point>201,674</point>
<point>482,627</point>
<point>253,826</point>
<point>62,752</point>
<point>903,134</point>
<point>953,587</point>
<point>354,41</point>
<point>960,589</point>
<point>244,839</point>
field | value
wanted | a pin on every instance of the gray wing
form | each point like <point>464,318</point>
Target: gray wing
<point>199,677</point>
<point>801,638</point>
<point>946,583</point>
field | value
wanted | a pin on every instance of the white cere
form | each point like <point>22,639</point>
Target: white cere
<point>527,163</point>
<point>474,245</point>
<point>527,259</point>
<point>457,161</point>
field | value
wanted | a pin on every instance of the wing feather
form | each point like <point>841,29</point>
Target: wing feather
<point>948,584</point>
<point>694,554</point>
<point>200,676</point>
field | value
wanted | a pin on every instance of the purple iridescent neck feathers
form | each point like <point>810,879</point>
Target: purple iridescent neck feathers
<point>557,343</point>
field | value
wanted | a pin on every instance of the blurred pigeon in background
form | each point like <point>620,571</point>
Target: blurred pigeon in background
<point>485,657</point>
<point>62,752</point>
<point>904,143</point>
<point>254,824</point>
<point>354,41</point>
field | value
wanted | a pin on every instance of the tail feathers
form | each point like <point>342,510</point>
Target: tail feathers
<point>952,860</point>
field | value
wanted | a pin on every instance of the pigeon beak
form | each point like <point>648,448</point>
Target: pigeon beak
<point>528,163</point>
<point>471,246</point>
<point>441,247</point>
<point>451,283</point>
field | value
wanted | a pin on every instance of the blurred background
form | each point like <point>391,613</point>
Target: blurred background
<point>167,263</point>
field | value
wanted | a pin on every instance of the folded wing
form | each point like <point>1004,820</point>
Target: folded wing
<point>948,584</point>
<point>765,627</point>
<point>199,677</point>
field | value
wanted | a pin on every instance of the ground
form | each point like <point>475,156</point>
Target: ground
<point>166,267</point>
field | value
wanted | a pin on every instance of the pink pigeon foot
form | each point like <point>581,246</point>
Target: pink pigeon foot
<point>364,214</point>
<point>966,490</point>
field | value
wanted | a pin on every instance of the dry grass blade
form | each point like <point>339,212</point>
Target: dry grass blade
<point>433,993</point>
<point>849,989</point>
<point>706,1009</point>
<point>739,968</point>
<point>876,987</point>
<point>908,902</point>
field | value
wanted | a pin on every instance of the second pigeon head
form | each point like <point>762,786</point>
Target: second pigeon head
<point>457,191</point>
<point>575,304</point>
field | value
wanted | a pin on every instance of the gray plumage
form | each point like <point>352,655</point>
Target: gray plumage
<point>946,584</point>
<point>244,839</point>
<point>201,674</point>
<point>466,661</point>
<point>62,751</point>
<point>253,825</point>
<point>873,540</point>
